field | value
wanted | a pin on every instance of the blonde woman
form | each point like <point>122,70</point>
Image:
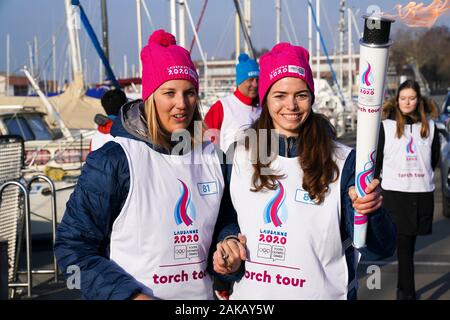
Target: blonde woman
<point>141,220</point>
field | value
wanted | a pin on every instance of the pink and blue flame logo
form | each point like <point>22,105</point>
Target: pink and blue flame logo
<point>184,211</point>
<point>362,181</point>
<point>275,211</point>
<point>410,147</point>
<point>367,76</point>
<point>365,177</point>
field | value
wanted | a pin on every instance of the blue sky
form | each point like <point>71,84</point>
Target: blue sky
<point>25,19</point>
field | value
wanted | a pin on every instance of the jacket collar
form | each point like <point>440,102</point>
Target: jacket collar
<point>105,128</point>
<point>243,98</point>
<point>288,146</point>
<point>131,124</point>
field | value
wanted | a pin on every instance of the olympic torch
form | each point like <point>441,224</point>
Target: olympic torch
<point>373,62</point>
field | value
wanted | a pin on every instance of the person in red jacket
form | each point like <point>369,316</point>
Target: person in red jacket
<point>239,111</point>
<point>111,101</point>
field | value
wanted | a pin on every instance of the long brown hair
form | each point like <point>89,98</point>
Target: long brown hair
<point>425,106</point>
<point>315,149</point>
<point>156,132</point>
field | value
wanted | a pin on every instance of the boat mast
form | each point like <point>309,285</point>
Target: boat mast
<point>247,38</point>
<point>341,40</point>
<point>350,66</point>
<point>278,21</point>
<point>350,59</point>
<point>125,66</point>
<point>318,41</point>
<point>310,35</point>
<point>147,14</point>
<point>173,18</point>
<point>36,56</point>
<point>139,33</point>
<point>291,23</point>
<point>182,23</point>
<point>30,57</point>
<point>238,37</point>
<point>105,41</point>
<point>248,21</point>
<point>8,61</point>
<point>197,39</point>
<point>55,83</point>
<point>73,38</point>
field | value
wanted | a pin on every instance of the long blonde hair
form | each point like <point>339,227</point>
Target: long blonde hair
<point>161,137</point>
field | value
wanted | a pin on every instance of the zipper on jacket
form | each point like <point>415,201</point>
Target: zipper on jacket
<point>286,147</point>
<point>290,146</point>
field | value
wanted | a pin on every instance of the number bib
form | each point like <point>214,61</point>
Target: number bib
<point>294,244</point>
<point>163,234</point>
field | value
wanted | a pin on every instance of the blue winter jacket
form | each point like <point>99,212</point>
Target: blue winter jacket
<point>83,236</point>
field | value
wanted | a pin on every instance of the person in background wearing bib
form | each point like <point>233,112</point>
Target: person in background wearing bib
<point>111,101</point>
<point>230,116</point>
<point>234,113</point>
<point>295,202</point>
<point>141,220</point>
<point>408,152</point>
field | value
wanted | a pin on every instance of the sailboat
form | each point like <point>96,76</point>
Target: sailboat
<point>57,131</point>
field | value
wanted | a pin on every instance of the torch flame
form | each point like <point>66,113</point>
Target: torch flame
<point>418,15</point>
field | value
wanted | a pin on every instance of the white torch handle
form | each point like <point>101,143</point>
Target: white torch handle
<point>372,66</point>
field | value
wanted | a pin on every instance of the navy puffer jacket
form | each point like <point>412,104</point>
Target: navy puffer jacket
<point>83,237</point>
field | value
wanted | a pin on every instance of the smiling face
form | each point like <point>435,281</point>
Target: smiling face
<point>249,88</point>
<point>289,104</point>
<point>175,102</point>
<point>407,101</point>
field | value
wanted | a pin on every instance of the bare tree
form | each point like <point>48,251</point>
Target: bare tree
<point>428,49</point>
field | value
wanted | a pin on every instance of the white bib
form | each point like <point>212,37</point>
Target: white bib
<point>99,139</point>
<point>237,116</point>
<point>163,233</point>
<point>407,161</point>
<point>295,249</point>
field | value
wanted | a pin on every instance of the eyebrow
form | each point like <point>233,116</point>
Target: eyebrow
<point>173,89</point>
<point>284,92</point>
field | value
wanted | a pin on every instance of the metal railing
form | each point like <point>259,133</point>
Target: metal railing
<point>54,222</point>
<point>29,283</point>
<point>3,269</point>
<point>29,271</point>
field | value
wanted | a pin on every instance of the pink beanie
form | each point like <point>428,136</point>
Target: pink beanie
<point>284,60</point>
<point>163,60</point>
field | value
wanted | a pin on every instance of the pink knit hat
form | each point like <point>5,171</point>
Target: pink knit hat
<point>163,60</point>
<point>284,60</point>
